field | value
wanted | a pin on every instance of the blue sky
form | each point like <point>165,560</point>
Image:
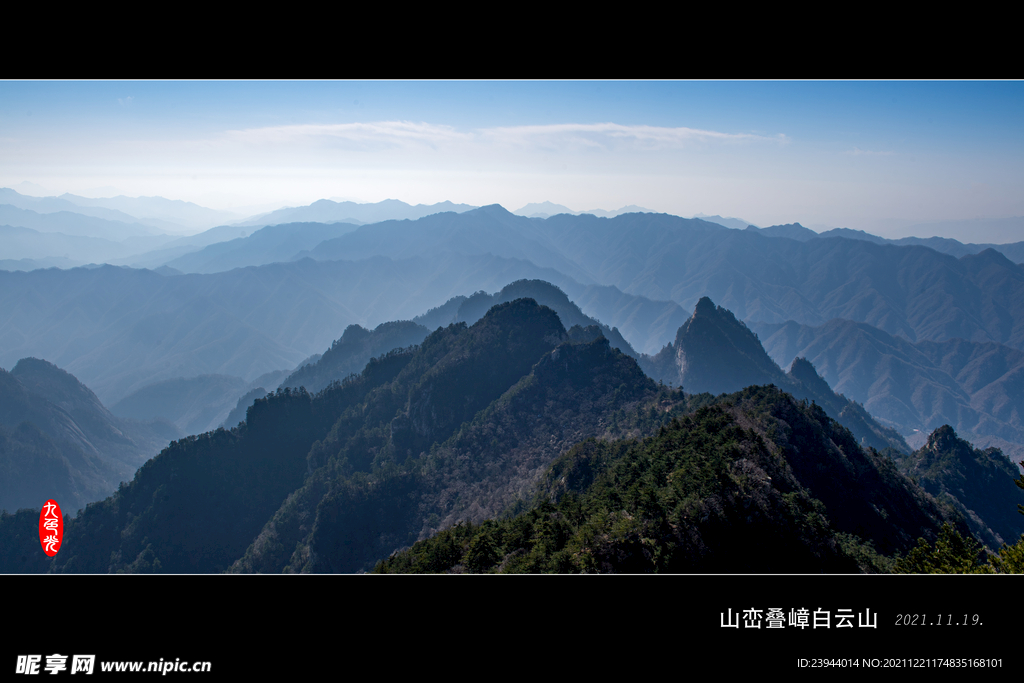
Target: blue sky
<point>864,155</point>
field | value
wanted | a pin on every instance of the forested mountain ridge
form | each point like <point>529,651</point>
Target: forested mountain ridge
<point>451,376</point>
<point>472,308</point>
<point>460,429</point>
<point>481,469</point>
<point>979,484</point>
<point>756,482</point>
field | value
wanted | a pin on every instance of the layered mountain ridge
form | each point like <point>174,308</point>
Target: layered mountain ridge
<point>715,353</point>
<point>457,429</point>
<point>917,337</point>
<point>58,441</point>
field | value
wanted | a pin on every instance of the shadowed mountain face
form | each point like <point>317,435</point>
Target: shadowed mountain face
<point>61,389</point>
<point>916,387</point>
<point>979,484</point>
<point>715,353</point>
<point>58,441</point>
<point>472,308</point>
<point>349,354</point>
<point>127,442</point>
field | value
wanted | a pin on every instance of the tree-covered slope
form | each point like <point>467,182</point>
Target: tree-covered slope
<point>490,464</point>
<point>979,484</point>
<point>201,502</point>
<point>472,308</point>
<point>441,442</point>
<point>758,482</point>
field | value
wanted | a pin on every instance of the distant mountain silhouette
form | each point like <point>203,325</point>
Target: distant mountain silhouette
<point>944,245</point>
<point>350,354</point>
<point>194,405</point>
<point>77,224</point>
<point>715,353</point>
<point>644,270</point>
<point>548,209</point>
<point>170,215</point>
<point>76,217</point>
<point>487,230</point>
<point>58,441</point>
<point>144,327</point>
<point>18,243</point>
<point>327,211</point>
<point>542,210</point>
<point>472,308</point>
<point>792,231</point>
<point>915,387</point>
<point>266,245</point>
<point>735,223</point>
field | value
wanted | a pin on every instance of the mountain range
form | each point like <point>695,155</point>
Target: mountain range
<point>470,424</point>
<point>242,322</point>
<point>910,346</point>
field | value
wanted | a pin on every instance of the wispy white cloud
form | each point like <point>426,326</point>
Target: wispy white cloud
<point>125,101</point>
<point>386,132</point>
<point>604,134</point>
<point>856,151</point>
<point>558,136</point>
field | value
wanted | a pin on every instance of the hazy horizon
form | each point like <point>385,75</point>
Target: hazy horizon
<point>880,157</point>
